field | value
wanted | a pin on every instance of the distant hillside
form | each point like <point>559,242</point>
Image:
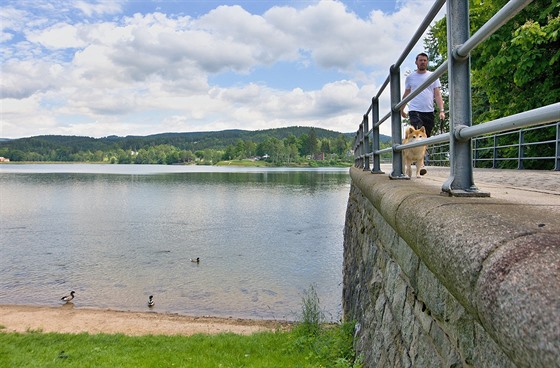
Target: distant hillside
<point>186,141</point>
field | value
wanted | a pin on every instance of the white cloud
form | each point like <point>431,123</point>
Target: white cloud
<point>147,73</point>
<point>268,43</point>
<point>100,7</point>
<point>58,36</point>
<point>26,78</point>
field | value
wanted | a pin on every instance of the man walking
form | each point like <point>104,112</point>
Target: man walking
<point>421,107</point>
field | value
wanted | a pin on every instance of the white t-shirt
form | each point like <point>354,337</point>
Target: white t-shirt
<point>424,102</point>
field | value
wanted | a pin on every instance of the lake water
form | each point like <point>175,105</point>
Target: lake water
<point>118,233</point>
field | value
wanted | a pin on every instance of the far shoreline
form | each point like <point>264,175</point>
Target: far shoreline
<point>235,163</point>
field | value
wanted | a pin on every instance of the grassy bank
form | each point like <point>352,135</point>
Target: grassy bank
<point>312,163</point>
<point>310,343</point>
<point>237,163</point>
<point>326,347</point>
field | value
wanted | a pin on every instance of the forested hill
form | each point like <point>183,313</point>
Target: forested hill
<point>286,143</point>
<point>193,141</point>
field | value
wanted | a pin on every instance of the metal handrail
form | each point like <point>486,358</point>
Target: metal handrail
<point>460,44</point>
<point>439,154</point>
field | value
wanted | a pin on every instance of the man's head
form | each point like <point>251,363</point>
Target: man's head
<point>422,62</point>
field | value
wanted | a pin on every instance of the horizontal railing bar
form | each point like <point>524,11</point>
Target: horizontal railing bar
<point>528,129</point>
<point>440,138</point>
<point>535,143</point>
<point>514,158</point>
<point>384,150</point>
<point>514,145</point>
<point>533,117</point>
<point>444,138</point>
<point>517,144</point>
<point>508,145</point>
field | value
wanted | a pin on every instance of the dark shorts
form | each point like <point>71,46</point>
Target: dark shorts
<point>422,119</point>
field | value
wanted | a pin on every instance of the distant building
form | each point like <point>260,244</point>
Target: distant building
<point>4,159</point>
<point>319,156</point>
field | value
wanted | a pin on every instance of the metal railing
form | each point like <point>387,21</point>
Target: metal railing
<point>534,148</point>
<point>459,44</point>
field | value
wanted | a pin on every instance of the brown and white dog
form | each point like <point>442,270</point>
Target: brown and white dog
<point>415,154</point>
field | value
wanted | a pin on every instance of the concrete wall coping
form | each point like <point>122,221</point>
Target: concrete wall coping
<point>499,256</point>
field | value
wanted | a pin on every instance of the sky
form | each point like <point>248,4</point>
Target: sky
<point>138,67</point>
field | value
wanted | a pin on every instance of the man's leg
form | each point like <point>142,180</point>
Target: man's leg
<point>415,119</point>
<point>427,121</point>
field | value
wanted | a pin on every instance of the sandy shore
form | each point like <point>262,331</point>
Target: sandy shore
<point>67,319</point>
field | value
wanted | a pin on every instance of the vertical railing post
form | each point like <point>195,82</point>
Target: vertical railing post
<point>376,144</point>
<point>460,181</point>
<point>367,148</point>
<point>361,138</point>
<point>359,147</point>
<point>557,158</point>
<point>495,151</point>
<point>396,130</point>
<point>476,153</point>
<point>354,149</point>
<point>520,153</point>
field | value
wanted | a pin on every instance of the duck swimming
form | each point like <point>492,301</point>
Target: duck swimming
<point>197,260</point>
<point>151,301</point>
<point>67,298</point>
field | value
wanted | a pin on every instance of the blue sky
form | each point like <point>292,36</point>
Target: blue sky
<point>139,67</point>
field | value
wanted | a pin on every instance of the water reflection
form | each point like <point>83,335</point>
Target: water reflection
<point>116,238</point>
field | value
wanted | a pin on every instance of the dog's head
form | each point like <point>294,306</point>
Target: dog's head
<point>412,135</point>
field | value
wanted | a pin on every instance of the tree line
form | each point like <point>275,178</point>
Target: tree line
<point>292,145</point>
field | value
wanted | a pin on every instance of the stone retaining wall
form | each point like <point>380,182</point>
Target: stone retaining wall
<point>434,281</point>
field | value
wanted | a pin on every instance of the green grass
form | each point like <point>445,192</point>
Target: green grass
<point>311,343</point>
<point>304,163</point>
<point>244,163</point>
<point>331,347</point>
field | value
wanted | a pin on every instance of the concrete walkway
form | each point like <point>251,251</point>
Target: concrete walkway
<point>520,186</point>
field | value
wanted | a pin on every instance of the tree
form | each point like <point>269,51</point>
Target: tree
<point>325,145</point>
<point>186,156</point>
<point>340,145</point>
<point>274,148</point>
<point>288,146</point>
<point>229,153</point>
<point>250,149</point>
<point>303,144</point>
<point>516,69</point>
<point>312,142</point>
